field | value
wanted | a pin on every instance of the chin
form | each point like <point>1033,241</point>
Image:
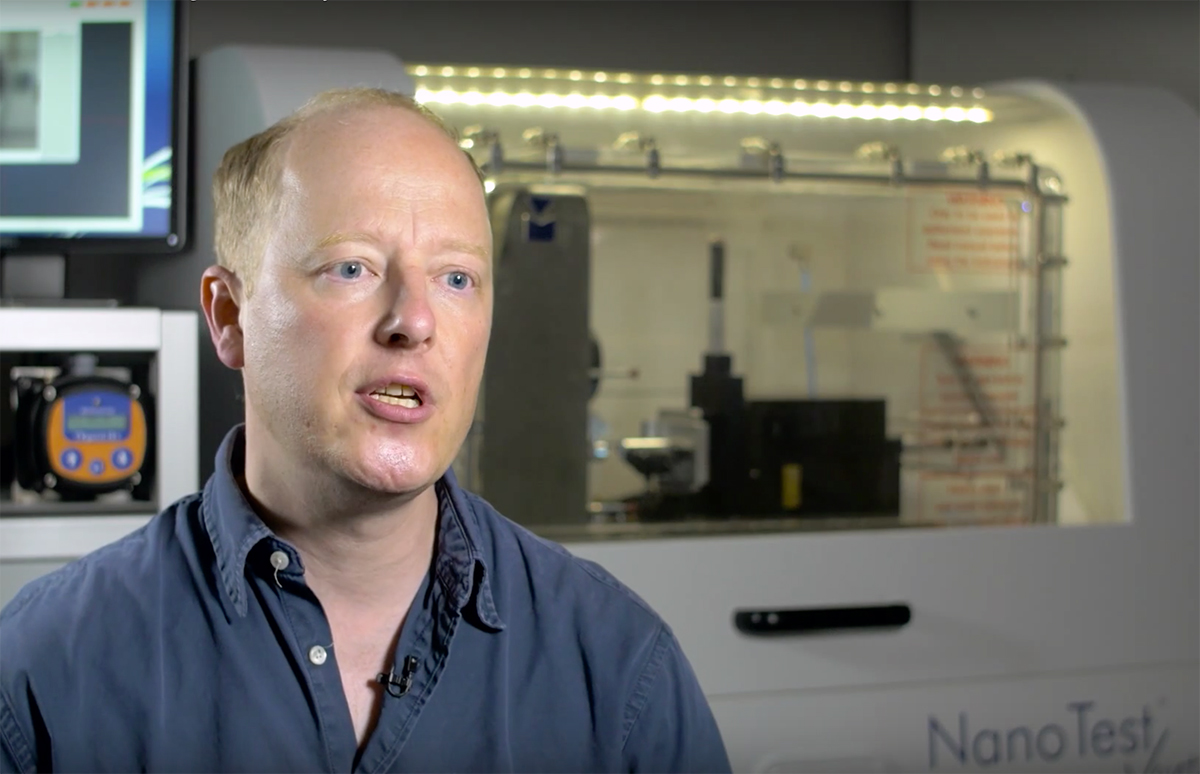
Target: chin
<point>395,468</point>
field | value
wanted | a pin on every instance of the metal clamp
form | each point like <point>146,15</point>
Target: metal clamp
<point>883,152</point>
<point>538,137</point>
<point>757,146</point>
<point>877,151</point>
<point>962,156</point>
<point>489,138</point>
<point>1008,159</point>
<point>639,142</point>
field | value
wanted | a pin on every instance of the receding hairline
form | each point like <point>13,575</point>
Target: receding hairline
<point>352,99</point>
<point>340,112</point>
<point>250,183</point>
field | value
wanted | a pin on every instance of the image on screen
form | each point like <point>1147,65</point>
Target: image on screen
<point>19,91</point>
<point>87,102</point>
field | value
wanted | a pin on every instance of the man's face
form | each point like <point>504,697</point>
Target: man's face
<point>366,334</point>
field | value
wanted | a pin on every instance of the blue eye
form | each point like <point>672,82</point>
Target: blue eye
<point>350,270</point>
<point>458,280</point>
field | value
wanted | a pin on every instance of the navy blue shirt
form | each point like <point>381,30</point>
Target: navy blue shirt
<point>178,648</point>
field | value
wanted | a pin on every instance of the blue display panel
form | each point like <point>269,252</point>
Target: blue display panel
<point>96,416</point>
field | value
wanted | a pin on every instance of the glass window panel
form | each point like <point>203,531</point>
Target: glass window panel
<point>895,302</point>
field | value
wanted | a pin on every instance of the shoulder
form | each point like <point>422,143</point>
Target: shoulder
<point>571,615</point>
<point>66,635</point>
<point>520,560</point>
<point>581,611</point>
<point>90,591</point>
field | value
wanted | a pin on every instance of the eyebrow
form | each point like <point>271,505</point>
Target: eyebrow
<point>453,245</point>
<point>338,237</point>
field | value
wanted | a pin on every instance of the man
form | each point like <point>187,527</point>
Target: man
<point>332,600</point>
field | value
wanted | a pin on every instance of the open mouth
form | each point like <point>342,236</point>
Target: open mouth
<point>397,395</point>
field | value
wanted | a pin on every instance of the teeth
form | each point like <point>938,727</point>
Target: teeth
<point>397,394</point>
<point>412,402</point>
<point>397,391</point>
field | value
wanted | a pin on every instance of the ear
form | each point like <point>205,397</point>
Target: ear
<point>221,298</point>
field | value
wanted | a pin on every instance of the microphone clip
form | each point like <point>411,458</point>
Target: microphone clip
<point>398,686</point>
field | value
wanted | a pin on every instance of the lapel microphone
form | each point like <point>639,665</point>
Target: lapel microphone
<point>398,686</point>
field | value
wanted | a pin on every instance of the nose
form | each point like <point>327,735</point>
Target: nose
<point>408,321</point>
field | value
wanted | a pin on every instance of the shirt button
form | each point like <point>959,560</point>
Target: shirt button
<point>317,655</point>
<point>280,560</point>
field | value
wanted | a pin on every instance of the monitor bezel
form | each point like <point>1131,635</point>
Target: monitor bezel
<point>97,243</point>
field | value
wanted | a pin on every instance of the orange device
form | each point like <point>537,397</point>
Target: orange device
<point>83,436</point>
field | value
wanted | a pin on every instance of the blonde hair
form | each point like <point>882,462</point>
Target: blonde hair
<point>245,187</point>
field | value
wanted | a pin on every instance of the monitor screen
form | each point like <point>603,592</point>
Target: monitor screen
<point>92,125</point>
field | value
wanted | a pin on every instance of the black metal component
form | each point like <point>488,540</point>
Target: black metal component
<point>716,254</point>
<point>765,623</point>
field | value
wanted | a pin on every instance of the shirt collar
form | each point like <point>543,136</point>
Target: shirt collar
<point>234,529</point>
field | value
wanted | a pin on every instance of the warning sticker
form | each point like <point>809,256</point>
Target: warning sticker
<point>965,232</point>
<point>957,378</point>
<point>955,498</point>
<point>976,411</point>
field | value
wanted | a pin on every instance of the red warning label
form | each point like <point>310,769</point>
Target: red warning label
<point>955,379</point>
<point>956,498</point>
<point>975,408</point>
<point>964,232</point>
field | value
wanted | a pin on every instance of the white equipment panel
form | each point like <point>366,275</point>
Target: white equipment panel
<point>172,337</point>
<point>1031,647</point>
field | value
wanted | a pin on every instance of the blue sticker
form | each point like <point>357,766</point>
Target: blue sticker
<point>540,226</point>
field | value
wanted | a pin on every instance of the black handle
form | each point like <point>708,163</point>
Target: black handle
<point>716,257</point>
<point>812,620</point>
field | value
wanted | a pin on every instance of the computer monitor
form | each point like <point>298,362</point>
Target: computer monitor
<point>93,126</point>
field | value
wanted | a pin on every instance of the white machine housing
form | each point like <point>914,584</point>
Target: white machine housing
<point>1031,648</point>
<point>33,545</point>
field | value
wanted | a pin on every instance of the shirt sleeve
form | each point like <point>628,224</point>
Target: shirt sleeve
<point>16,755</point>
<point>673,728</point>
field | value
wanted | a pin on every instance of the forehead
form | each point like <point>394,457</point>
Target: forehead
<point>375,148</point>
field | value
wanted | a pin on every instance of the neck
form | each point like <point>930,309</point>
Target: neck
<point>359,547</point>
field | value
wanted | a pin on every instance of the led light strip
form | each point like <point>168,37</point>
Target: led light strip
<point>657,103</point>
<point>661,79</point>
